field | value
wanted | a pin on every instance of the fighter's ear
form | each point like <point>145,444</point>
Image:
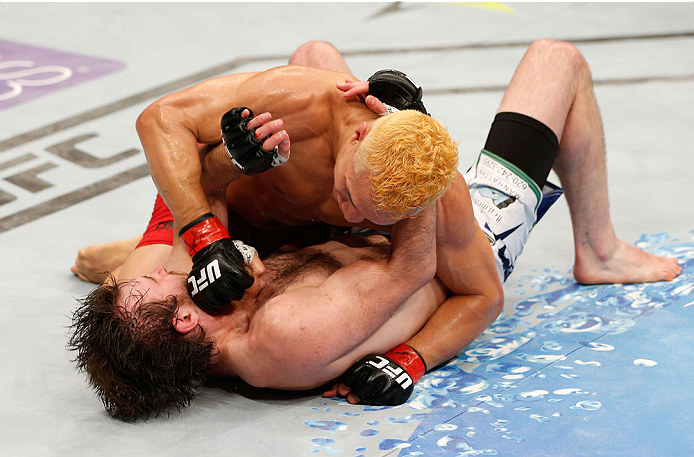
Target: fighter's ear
<point>362,129</point>
<point>360,132</point>
<point>185,320</point>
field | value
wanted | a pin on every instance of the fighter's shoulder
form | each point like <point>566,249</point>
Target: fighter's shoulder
<point>222,83</point>
<point>455,216</point>
<point>455,199</point>
<point>302,70</point>
<point>299,73</point>
<point>278,328</point>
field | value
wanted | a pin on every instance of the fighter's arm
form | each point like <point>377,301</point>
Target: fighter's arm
<point>168,250</point>
<point>294,340</point>
<point>465,263</point>
<point>170,130</point>
<point>466,266</point>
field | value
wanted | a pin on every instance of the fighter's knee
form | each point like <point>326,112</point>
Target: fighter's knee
<point>559,51</point>
<point>310,51</point>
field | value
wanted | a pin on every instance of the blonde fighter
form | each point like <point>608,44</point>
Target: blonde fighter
<point>549,96</point>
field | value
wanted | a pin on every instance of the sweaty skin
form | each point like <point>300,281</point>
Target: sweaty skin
<point>308,317</point>
<point>316,184</point>
<point>552,84</point>
<point>293,344</point>
<point>275,338</point>
<point>313,112</point>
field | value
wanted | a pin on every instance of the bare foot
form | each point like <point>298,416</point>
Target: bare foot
<point>94,263</point>
<point>627,264</point>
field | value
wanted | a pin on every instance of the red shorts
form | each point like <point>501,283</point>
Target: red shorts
<point>160,228</point>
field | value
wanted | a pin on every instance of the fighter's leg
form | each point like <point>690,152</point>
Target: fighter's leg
<point>142,260</point>
<point>93,263</point>
<point>553,84</point>
<point>319,54</point>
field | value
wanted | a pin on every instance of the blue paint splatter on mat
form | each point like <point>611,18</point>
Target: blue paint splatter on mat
<point>526,369</point>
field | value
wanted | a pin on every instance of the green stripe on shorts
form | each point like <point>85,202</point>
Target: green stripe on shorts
<point>520,173</point>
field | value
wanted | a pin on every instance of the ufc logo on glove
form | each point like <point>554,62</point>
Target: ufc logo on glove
<point>397,373</point>
<point>207,276</point>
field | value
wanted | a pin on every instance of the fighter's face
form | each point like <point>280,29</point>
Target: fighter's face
<point>155,287</point>
<point>353,195</point>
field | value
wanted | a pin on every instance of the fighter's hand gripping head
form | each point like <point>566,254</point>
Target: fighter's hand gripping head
<point>245,151</point>
<point>385,380</point>
<point>396,91</point>
<point>218,274</point>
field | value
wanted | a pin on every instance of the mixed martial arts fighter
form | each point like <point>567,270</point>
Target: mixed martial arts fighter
<point>309,315</point>
<point>547,119</point>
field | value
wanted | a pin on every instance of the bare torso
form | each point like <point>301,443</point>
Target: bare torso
<point>302,191</point>
<point>315,116</point>
<point>311,267</point>
<point>320,121</point>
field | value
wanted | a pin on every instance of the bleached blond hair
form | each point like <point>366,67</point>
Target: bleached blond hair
<point>411,160</point>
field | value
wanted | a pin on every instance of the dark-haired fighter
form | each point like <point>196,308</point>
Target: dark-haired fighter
<point>549,101</point>
<point>309,315</point>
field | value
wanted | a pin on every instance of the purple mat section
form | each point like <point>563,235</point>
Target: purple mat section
<point>28,72</point>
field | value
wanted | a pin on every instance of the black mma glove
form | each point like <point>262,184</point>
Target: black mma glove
<point>218,275</point>
<point>245,151</point>
<point>396,91</point>
<point>385,380</point>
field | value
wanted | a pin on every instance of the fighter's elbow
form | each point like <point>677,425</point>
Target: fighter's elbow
<point>495,301</point>
<point>149,118</point>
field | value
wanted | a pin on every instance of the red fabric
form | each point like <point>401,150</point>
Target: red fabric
<point>203,234</point>
<point>160,228</point>
<point>409,359</point>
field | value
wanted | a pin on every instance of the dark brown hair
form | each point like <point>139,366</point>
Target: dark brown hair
<point>138,363</point>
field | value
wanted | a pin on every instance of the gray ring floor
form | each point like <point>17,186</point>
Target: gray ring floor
<point>74,77</point>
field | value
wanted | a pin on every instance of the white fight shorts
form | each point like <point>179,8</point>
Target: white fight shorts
<point>507,205</point>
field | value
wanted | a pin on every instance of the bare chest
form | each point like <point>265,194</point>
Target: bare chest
<point>299,192</point>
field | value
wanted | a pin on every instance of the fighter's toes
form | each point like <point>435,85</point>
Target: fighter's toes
<point>655,268</point>
<point>662,268</point>
<point>76,271</point>
<point>627,264</point>
<point>672,269</point>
